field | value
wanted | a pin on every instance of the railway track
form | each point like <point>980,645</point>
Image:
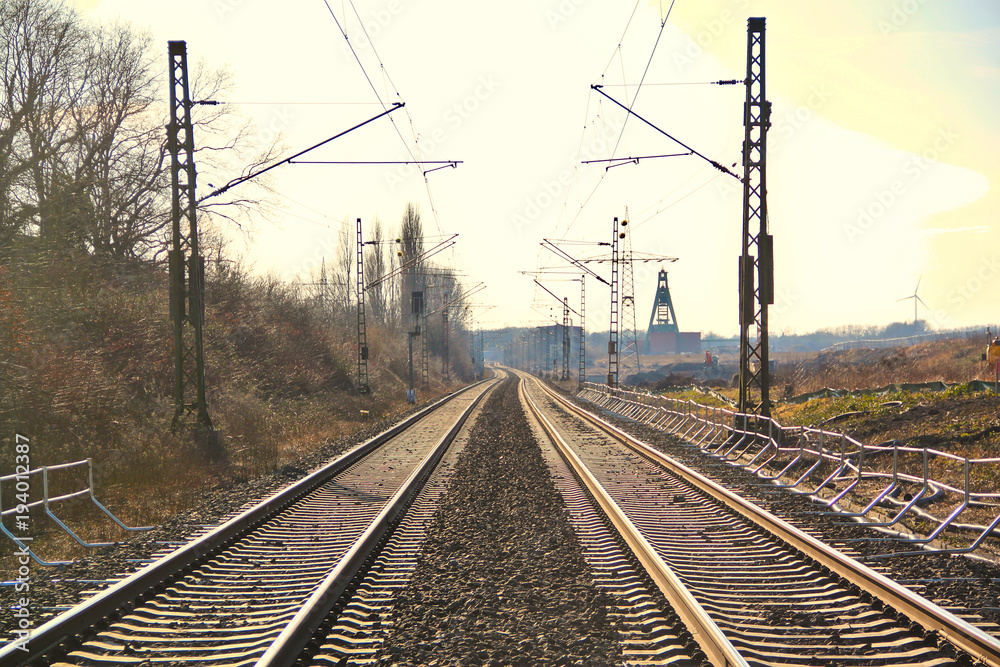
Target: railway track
<point>691,574</point>
<point>256,589</point>
<point>749,586</point>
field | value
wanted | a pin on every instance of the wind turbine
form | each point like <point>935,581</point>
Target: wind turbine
<point>916,298</point>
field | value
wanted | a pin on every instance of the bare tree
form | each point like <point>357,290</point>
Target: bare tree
<point>20,95</point>
<point>45,72</point>
<point>343,265</point>
<point>375,270</point>
<point>393,313</point>
<point>411,246</point>
<point>118,159</point>
<point>82,141</point>
<point>228,147</point>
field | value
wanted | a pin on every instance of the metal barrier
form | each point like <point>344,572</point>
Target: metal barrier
<point>907,341</point>
<point>758,445</point>
<point>47,502</point>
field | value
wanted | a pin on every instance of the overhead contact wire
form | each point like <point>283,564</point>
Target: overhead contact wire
<point>663,25</point>
<point>638,89</point>
<point>354,53</point>
<point>416,143</point>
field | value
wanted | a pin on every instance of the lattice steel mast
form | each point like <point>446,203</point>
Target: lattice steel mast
<point>756,264</point>
<point>446,362</point>
<point>363,386</point>
<point>565,340</point>
<point>186,265</point>
<point>323,286</point>
<point>613,334</point>
<point>425,359</point>
<point>583,326</point>
<point>629,343</point>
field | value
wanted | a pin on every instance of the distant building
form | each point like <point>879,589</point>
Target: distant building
<point>548,348</point>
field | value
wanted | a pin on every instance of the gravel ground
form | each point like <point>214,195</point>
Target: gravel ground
<point>502,579</point>
<point>958,581</point>
<point>53,589</point>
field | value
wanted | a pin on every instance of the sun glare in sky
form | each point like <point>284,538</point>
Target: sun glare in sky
<point>880,162</point>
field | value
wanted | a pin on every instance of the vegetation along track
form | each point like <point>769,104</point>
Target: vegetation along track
<point>778,596</point>
<point>255,589</point>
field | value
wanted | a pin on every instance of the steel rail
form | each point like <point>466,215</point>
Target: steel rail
<point>971,640</point>
<point>710,638</point>
<point>287,648</point>
<point>71,623</point>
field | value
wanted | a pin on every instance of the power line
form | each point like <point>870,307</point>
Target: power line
<point>413,131</point>
<point>446,163</point>
<point>290,104</point>
<point>649,62</point>
<point>355,53</point>
<point>619,161</point>
<point>621,133</point>
<point>712,162</point>
<point>725,82</point>
<point>288,160</point>
<point>385,74</point>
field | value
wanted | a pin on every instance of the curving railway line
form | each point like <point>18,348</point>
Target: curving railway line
<point>690,573</point>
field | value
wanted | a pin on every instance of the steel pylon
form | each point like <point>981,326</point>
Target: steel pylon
<point>756,265</point>
<point>186,265</point>
<point>363,386</point>
<point>583,328</point>
<point>631,362</point>
<point>613,332</point>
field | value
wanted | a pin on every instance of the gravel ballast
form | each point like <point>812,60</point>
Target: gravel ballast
<point>502,579</point>
<point>955,582</point>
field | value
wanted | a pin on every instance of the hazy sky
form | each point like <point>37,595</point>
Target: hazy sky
<point>882,161</point>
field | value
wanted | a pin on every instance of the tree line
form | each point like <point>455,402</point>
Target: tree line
<point>85,169</point>
<point>83,159</point>
<point>394,268</point>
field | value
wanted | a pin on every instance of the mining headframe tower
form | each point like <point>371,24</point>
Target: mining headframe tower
<point>664,336</point>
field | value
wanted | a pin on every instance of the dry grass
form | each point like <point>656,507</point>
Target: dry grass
<point>949,361</point>
<point>86,369</point>
<point>955,420</point>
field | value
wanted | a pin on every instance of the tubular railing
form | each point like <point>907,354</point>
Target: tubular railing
<point>758,444</point>
<point>47,501</point>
